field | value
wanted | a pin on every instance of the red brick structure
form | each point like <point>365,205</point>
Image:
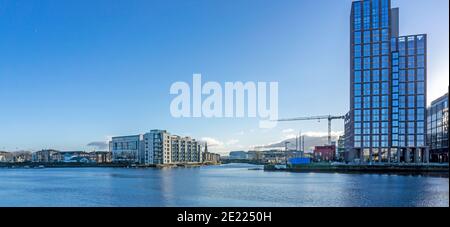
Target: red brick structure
<point>325,153</point>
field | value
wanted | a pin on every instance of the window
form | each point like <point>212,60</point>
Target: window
<point>376,88</point>
<point>411,46</point>
<point>385,35</point>
<point>384,88</point>
<point>384,75</point>
<point>366,50</point>
<point>366,36</point>
<point>384,61</point>
<point>394,44</point>
<point>367,63</point>
<point>366,76</point>
<point>357,65</point>
<point>357,37</point>
<point>357,77</point>
<point>420,44</point>
<point>385,48</point>
<point>367,13</point>
<point>420,74</point>
<point>411,75</point>
<point>402,46</point>
<point>366,89</point>
<point>411,62</point>
<point>375,75</point>
<point>357,89</point>
<point>384,101</point>
<point>376,49</point>
<point>375,62</point>
<point>421,88</point>
<point>357,51</point>
<point>376,36</point>
<point>420,61</point>
<point>421,101</point>
<point>411,88</point>
<point>402,62</point>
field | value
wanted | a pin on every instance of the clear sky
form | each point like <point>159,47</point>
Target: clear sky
<point>78,71</point>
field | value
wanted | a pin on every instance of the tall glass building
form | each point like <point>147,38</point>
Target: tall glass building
<point>438,130</point>
<point>388,87</point>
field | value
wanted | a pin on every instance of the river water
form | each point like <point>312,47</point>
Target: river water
<point>225,185</point>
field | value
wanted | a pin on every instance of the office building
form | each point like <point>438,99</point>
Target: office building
<point>126,149</point>
<point>386,122</point>
<point>437,138</point>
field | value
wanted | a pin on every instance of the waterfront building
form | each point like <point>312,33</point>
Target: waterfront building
<point>100,156</point>
<point>386,122</point>
<point>22,156</point>
<point>324,153</point>
<point>185,150</point>
<point>5,156</point>
<point>437,125</point>
<point>126,149</point>
<point>341,148</point>
<point>208,157</point>
<point>255,155</point>
<point>238,155</point>
<point>46,156</point>
<point>74,156</point>
<point>155,147</point>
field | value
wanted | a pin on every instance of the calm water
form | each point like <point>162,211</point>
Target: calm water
<point>226,185</point>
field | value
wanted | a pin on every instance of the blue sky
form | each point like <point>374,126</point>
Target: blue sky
<point>74,72</point>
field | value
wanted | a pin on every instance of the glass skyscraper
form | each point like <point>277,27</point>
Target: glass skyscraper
<point>388,87</point>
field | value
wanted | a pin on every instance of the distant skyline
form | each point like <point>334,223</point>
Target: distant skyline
<point>78,72</point>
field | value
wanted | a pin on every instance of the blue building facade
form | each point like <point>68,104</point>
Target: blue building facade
<point>388,87</point>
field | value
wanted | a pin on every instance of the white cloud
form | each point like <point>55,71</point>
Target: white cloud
<point>232,142</point>
<point>288,130</point>
<point>212,142</point>
<point>322,134</point>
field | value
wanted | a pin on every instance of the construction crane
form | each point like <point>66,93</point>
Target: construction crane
<point>328,117</point>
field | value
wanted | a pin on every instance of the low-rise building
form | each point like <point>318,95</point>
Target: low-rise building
<point>6,156</point>
<point>46,156</point>
<point>126,149</point>
<point>74,156</point>
<point>324,153</point>
<point>100,156</point>
<point>238,155</point>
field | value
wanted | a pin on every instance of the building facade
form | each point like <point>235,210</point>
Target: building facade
<point>46,156</point>
<point>100,156</point>
<point>437,121</point>
<point>386,122</point>
<point>155,147</point>
<point>238,155</point>
<point>325,153</point>
<point>126,149</point>
<point>185,150</point>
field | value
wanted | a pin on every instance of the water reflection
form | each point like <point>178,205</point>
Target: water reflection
<point>226,185</point>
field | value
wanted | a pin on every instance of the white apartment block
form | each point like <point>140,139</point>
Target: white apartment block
<point>156,147</point>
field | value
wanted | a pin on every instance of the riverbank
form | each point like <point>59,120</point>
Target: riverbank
<point>439,169</point>
<point>37,165</point>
